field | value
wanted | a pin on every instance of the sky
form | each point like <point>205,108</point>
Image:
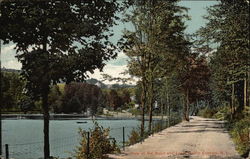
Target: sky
<point>197,9</point>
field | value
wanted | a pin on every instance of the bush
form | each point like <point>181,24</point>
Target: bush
<point>99,145</point>
<point>207,112</point>
<point>223,113</point>
<point>134,137</point>
<point>240,134</point>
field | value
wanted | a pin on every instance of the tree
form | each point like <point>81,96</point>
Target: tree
<point>125,97</point>
<point>12,90</point>
<point>78,97</point>
<point>194,79</point>
<point>154,46</point>
<point>55,99</point>
<point>50,29</point>
<point>114,99</point>
<point>228,29</point>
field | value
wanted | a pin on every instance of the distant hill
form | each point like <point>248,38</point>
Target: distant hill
<point>114,86</point>
<point>102,85</point>
<point>96,82</point>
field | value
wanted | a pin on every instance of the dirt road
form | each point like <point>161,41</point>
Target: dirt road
<point>199,138</point>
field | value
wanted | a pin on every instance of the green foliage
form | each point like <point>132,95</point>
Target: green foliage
<point>55,99</point>
<point>134,137</point>
<point>72,106</point>
<point>207,112</point>
<point>26,104</point>
<point>13,92</point>
<point>58,41</point>
<point>61,87</point>
<point>240,131</point>
<point>118,98</point>
<point>99,142</point>
<point>156,47</point>
<point>78,97</point>
<point>223,113</point>
<point>114,99</point>
<point>227,33</point>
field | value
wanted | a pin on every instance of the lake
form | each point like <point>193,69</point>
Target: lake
<point>25,136</point>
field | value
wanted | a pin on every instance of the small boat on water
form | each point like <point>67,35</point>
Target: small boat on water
<point>81,122</point>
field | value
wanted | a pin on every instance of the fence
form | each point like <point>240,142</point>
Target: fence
<point>64,147</point>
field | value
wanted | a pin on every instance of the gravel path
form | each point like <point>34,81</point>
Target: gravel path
<point>199,138</point>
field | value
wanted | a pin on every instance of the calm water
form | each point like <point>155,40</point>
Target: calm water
<point>25,137</point>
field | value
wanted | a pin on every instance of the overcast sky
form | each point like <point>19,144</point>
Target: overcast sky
<point>197,9</point>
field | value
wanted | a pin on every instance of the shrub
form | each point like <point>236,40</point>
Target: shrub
<point>240,134</point>
<point>99,145</point>
<point>134,137</point>
<point>223,113</point>
<point>207,112</point>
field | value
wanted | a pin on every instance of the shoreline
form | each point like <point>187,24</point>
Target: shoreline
<point>73,117</point>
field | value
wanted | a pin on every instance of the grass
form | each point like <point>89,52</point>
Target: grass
<point>239,131</point>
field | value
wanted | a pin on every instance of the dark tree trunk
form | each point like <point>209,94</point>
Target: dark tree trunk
<point>151,104</point>
<point>45,92</point>
<point>46,125</point>
<point>187,103</point>
<point>186,106</point>
<point>248,88</point>
<point>143,102</point>
<point>168,104</point>
<point>162,111</point>
<point>240,96</point>
<point>245,92</point>
<point>232,102</point>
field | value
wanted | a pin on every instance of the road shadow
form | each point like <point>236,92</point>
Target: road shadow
<point>198,131</point>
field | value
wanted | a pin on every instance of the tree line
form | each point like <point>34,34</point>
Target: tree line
<point>208,69</point>
<point>62,98</point>
<point>171,71</point>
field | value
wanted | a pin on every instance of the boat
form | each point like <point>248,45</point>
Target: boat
<point>81,122</point>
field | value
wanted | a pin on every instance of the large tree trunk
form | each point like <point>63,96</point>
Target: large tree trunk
<point>248,87</point>
<point>46,124</point>
<point>162,111</point>
<point>245,92</point>
<point>143,103</point>
<point>186,106</point>
<point>151,104</point>
<point>45,104</point>
<point>187,102</point>
<point>240,96</point>
<point>232,102</point>
<point>168,105</point>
